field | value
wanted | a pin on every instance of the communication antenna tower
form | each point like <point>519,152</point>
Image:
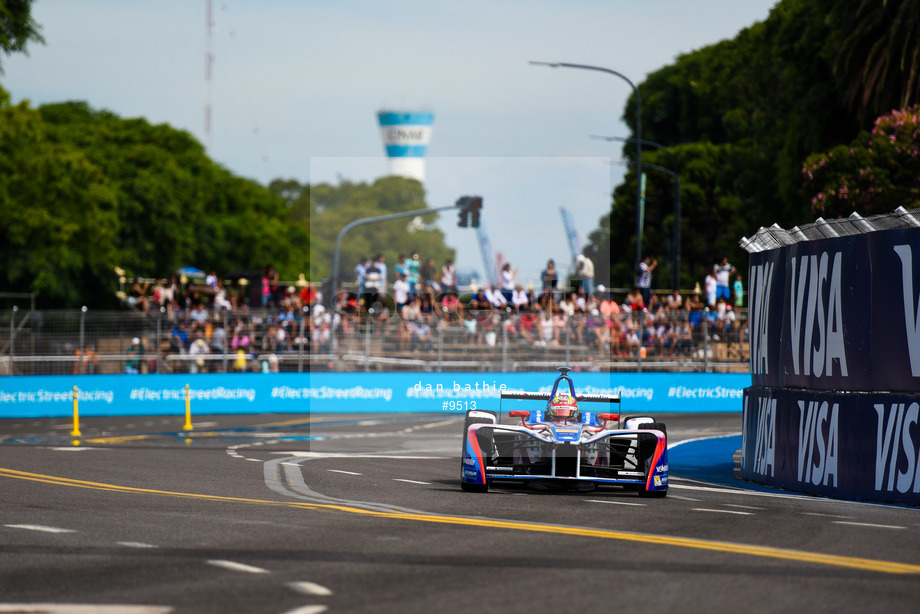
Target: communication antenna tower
<point>208,62</point>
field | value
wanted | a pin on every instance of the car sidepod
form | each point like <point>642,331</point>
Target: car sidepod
<point>476,450</point>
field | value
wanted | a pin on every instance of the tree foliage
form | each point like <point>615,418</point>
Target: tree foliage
<point>324,210</point>
<point>84,191</point>
<point>58,212</point>
<point>876,173</point>
<point>17,29</point>
<point>743,114</point>
<point>878,59</point>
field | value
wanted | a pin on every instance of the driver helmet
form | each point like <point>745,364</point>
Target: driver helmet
<point>562,406</point>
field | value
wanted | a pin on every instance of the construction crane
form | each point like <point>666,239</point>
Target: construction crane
<point>571,234</point>
<point>485,248</point>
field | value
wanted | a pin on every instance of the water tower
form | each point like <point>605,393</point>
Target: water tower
<point>405,137</point>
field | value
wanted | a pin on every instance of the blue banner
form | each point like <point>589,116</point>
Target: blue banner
<point>150,395</point>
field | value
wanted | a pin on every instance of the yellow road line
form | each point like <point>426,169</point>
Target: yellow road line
<point>661,540</point>
<point>126,438</point>
<point>119,439</point>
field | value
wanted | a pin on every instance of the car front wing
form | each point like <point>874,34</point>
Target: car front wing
<point>505,453</point>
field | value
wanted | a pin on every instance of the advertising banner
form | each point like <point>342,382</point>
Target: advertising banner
<point>145,395</point>
<point>838,314</point>
<point>844,445</point>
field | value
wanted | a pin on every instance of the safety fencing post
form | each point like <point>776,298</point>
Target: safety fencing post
<point>188,410</point>
<point>76,413</point>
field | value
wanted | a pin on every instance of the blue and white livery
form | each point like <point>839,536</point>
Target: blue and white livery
<point>562,447</point>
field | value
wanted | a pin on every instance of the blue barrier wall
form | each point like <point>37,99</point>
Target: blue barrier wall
<point>150,395</point>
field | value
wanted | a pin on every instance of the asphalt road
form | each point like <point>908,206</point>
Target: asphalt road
<point>287,513</point>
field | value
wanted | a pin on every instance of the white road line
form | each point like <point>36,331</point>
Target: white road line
<point>39,527</point>
<point>73,449</point>
<point>615,502</point>
<point>702,509</point>
<point>135,545</point>
<point>746,507</point>
<point>233,566</point>
<point>670,496</point>
<point>308,609</point>
<point>825,515</point>
<point>772,495</point>
<point>334,470</point>
<point>745,493</point>
<point>310,588</point>
<point>867,524</point>
<point>302,454</point>
<point>410,481</point>
<point>254,460</point>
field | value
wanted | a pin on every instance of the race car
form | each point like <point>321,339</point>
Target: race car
<point>560,446</point>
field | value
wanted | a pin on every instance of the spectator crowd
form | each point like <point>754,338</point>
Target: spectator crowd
<point>419,300</point>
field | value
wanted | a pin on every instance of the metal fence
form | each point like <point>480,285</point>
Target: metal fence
<point>46,342</point>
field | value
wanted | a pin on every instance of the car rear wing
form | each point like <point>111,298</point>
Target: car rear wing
<point>544,396</point>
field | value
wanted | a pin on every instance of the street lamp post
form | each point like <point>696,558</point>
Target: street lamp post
<point>676,262</point>
<point>677,209</point>
<point>638,148</point>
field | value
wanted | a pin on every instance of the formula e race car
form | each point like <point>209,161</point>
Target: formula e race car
<point>559,446</point>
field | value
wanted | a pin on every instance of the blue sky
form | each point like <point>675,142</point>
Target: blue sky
<point>296,85</point>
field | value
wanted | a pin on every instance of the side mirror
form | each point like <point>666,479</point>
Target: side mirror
<point>517,413</point>
<point>611,417</point>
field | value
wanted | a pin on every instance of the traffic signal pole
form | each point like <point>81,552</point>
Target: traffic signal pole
<point>462,204</point>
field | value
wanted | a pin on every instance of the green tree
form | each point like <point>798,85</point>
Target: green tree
<point>878,57</point>
<point>323,210</point>
<point>17,29</point>
<point>741,115</point>
<point>177,207</point>
<point>58,221</point>
<point>876,173</point>
<point>83,191</point>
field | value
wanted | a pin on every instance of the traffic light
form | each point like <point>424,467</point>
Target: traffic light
<point>468,215</point>
<point>463,215</point>
<point>475,206</point>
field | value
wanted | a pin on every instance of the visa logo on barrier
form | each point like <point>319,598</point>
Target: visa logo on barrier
<point>817,456</point>
<point>810,315</point>
<point>765,441</point>
<point>759,298</point>
<point>911,313</point>
<point>894,441</point>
